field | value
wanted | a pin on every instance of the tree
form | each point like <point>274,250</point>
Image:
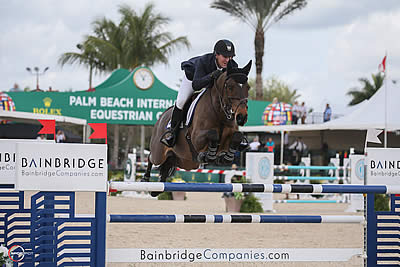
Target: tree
<point>367,89</point>
<point>87,57</point>
<point>275,88</point>
<point>137,39</point>
<point>260,15</point>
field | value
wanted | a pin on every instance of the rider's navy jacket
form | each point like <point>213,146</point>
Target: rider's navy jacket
<point>198,70</point>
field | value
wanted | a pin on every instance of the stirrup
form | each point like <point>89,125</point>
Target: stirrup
<point>168,142</point>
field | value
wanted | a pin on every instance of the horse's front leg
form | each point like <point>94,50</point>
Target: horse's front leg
<point>211,140</point>
<point>226,156</point>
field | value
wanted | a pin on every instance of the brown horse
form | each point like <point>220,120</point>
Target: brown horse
<point>212,136</point>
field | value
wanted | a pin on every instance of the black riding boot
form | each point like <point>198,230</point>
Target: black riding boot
<point>169,138</point>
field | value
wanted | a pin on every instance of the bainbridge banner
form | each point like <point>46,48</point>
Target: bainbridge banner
<point>8,158</point>
<point>383,166</point>
<point>61,167</point>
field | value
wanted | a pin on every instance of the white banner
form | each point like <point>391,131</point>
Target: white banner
<point>260,170</point>
<point>383,166</point>
<point>231,254</point>
<point>61,167</point>
<point>8,158</point>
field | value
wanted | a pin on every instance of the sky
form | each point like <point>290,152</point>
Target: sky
<point>321,50</point>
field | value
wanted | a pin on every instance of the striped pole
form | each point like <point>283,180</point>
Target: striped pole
<point>286,167</point>
<point>310,201</point>
<point>161,218</point>
<point>311,178</point>
<point>266,188</point>
<point>280,167</point>
<point>213,171</point>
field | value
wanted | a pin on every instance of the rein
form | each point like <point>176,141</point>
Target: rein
<point>227,108</point>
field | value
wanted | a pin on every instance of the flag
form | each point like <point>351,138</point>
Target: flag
<point>49,127</point>
<point>99,131</point>
<point>372,136</point>
<point>382,66</point>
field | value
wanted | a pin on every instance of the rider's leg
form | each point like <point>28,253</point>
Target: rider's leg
<point>184,93</point>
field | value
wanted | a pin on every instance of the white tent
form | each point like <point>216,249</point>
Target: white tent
<point>369,114</point>
<point>380,112</point>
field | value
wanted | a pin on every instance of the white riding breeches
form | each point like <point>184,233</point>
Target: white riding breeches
<point>184,93</point>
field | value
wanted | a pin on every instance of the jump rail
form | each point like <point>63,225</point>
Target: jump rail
<point>290,167</point>
<point>162,218</point>
<point>311,178</point>
<point>266,188</point>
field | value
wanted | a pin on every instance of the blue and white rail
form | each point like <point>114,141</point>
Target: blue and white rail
<point>163,218</point>
<point>310,178</point>
<point>266,188</point>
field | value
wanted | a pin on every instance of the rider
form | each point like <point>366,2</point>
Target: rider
<point>200,72</point>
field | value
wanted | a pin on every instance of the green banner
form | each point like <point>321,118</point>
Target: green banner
<point>137,98</point>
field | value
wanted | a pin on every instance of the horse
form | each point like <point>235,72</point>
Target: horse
<point>213,136</point>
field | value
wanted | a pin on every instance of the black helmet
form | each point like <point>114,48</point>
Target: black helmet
<point>225,48</point>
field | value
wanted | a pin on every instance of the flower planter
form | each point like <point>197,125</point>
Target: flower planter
<point>178,195</point>
<point>232,204</point>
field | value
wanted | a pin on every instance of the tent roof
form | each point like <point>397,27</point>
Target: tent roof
<point>369,114</point>
<point>28,117</point>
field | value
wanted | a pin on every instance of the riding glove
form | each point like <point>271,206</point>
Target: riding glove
<point>215,74</point>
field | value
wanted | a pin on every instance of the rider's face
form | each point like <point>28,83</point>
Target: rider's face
<point>222,60</point>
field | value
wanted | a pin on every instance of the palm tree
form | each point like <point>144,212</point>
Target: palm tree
<point>137,39</point>
<point>86,57</point>
<point>260,15</point>
<point>367,90</point>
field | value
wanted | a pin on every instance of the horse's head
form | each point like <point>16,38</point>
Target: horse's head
<point>235,92</point>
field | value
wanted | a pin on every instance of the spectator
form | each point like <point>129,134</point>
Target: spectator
<point>255,144</point>
<point>270,145</point>
<point>285,146</point>
<point>60,137</point>
<point>327,113</point>
<point>295,112</point>
<point>298,149</point>
<point>303,113</point>
<point>41,137</point>
<point>15,88</point>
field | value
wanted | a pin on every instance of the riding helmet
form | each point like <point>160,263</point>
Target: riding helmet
<point>225,47</point>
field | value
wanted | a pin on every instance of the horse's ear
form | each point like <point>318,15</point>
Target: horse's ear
<point>247,68</point>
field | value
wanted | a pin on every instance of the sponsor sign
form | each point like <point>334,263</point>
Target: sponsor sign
<point>231,255</point>
<point>8,158</point>
<point>383,166</point>
<point>260,170</point>
<point>61,167</point>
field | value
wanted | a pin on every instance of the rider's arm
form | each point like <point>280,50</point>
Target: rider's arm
<point>201,79</point>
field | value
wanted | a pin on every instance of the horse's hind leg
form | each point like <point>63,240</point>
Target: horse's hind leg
<point>147,175</point>
<point>167,169</point>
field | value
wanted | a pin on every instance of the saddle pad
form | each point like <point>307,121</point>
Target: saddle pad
<point>189,115</point>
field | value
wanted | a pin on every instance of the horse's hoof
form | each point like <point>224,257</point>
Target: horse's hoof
<point>154,194</point>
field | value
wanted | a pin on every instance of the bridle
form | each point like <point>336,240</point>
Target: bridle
<point>227,106</point>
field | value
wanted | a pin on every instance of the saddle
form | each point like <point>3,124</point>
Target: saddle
<point>188,110</point>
